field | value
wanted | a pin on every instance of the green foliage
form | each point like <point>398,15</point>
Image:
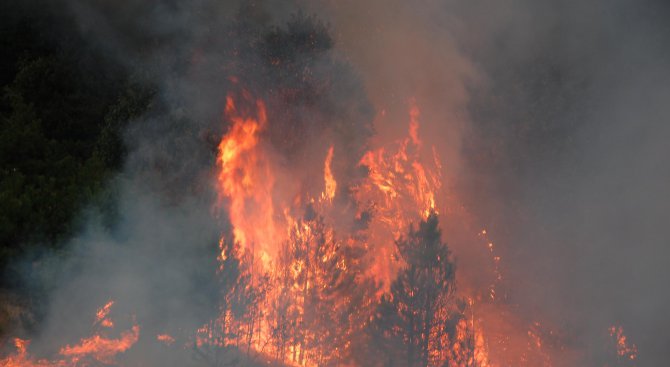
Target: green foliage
<point>61,116</point>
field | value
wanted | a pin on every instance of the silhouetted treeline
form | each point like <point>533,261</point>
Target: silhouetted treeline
<point>63,105</point>
<point>62,109</point>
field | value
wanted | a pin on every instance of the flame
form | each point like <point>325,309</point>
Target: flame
<point>89,351</point>
<point>101,317</point>
<point>302,277</point>
<point>331,184</point>
<point>100,348</point>
<point>246,180</point>
<point>401,188</point>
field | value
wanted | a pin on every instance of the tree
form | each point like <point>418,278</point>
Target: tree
<point>63,106</point>
<point>415,322</point>
<point>324,299</point>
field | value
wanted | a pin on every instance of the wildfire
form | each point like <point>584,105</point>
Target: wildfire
<point>100,348</point>
<point>93,350</point>
<point>401,189</point>
<point>299,288</point>
<point>246,180</point>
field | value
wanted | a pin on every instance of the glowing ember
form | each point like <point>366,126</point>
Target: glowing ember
<point>101,316</point>
<point>624,348</point>
<point>165,339</point>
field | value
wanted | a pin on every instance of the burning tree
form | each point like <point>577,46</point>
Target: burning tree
<point>420,322</point>
<point>320,310</point>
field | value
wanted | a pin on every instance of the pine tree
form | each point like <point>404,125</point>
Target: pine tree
<point>324,298</point>
<point>410,325</point>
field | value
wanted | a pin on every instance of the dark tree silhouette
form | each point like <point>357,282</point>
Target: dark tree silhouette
<point>415,322</point>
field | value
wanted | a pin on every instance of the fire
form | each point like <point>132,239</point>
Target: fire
<point>624,348</point>
<point>246,179</point>
<point>299,288</point>
<point>165,339</point>
<point>298,262</point>
<point>97,349</point>
<point>401,189</point>
<point>331,184</point>
<point>402,175</point>
<point>101,316</point>
<point>22,359</point>
<point>100,348</point>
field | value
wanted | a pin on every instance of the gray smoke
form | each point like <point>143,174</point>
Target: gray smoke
<point>573,124</point>
<point>552,118</point>
<point>158,260</point>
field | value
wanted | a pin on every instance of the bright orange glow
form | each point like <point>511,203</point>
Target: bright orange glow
<point>100,348</point>
<point>331,184</point>
<point>309,285</point>
<point>246,180</point>
<point>401,187</point>
<point>101,317</point>
<point>93,350</point>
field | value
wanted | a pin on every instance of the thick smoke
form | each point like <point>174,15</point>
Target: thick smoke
<point>158,261</point>
<point>551,117</point>
<point>572,126</point>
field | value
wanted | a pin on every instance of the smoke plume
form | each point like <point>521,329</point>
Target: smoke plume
<point>550,117</point>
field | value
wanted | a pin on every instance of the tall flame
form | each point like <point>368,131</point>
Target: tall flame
<point>313,291</point>
<point>331,184</point>
<point>246,180</point>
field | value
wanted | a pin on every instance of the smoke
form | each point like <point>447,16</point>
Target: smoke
<point>158,261</point>
<point>158,265</point>
<point>551,118</point>
<point>572,124</point>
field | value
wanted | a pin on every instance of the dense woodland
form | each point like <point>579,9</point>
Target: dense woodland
<point>63,106</point>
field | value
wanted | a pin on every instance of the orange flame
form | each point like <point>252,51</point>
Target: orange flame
<point>246,180</point>
<point>403,185</point>
<point>331,184</point>
<point>96,348</point>
<point>100,348</point>
<point>101,316</point>
<point>402,189</point>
